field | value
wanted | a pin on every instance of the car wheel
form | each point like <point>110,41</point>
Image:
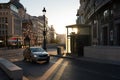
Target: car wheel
<point>48,60</point>
<point>24,59</point>
<point>32,61</point>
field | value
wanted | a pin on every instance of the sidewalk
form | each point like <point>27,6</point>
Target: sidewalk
<point>54,53</point>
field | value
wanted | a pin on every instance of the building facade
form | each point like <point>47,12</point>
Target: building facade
<point>16,25</point>
<point>38,30</point>
<point>33,27</point>
<point>11,15</point>
<point>104,18</point>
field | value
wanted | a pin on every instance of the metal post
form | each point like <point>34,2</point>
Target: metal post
<point>44,31</point>
<point>17,43</point>
<point>67,40</point>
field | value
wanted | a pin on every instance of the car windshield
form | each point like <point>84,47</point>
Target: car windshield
<point>37,49</point>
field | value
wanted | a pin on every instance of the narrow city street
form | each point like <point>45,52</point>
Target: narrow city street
<point>63,68</point>
<point>67,69</point>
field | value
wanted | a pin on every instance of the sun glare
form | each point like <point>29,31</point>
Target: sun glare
<point>74,30</point>
<point>52,69</point>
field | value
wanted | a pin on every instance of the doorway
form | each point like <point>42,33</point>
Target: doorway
<point>118,35</point>
<point>105,35</point>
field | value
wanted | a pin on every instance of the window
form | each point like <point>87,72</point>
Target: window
<point>14,8</point>
<point>2,20</point>
<point>6,20</point>
<point>5,27</point>
<point>0,33</point>
<point>106,13</point>
<point>0,27</point>
<point>6,13</point>
<point>3,13</point>
<point>3,33</point>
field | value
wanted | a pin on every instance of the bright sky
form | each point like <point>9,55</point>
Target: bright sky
<point>60,13</point>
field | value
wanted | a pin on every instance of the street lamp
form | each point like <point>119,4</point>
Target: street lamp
<point>44,31</point>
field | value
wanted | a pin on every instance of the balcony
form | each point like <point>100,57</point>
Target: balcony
<point>95,6</point>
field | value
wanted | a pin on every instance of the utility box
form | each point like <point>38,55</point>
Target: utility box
<point>60,50</point>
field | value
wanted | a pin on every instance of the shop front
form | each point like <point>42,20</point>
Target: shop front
<point>14,42</point>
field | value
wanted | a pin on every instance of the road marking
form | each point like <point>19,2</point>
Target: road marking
<point>60,72</point>
<point>49,72</point>
<point>25,78</point>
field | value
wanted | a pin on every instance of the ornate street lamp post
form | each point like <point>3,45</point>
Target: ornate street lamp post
<point>44,31</point>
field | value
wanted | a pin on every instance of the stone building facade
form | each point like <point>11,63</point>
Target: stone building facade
<point>11,15</point>
<point>104,18</point>
<point>33,27</point>
<point>16,24</point>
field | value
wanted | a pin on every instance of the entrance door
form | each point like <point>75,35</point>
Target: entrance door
<point>105,35</point>
<point>118,35</point>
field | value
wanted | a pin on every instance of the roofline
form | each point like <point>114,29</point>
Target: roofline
<point>78,25</point>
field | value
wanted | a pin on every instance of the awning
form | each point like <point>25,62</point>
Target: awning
<point>14,39</point>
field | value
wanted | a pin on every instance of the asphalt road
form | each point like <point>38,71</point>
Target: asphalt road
<point>62,68</point>
<point>68,69</point>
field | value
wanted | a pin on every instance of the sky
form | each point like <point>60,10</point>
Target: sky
<point>60,13</point>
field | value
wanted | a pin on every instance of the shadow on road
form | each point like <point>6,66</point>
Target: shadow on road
<point>41,70</point>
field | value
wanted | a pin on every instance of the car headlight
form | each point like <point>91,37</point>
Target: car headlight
<point>35,55</point>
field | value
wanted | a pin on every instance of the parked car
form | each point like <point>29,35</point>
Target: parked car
<point>34,54</point>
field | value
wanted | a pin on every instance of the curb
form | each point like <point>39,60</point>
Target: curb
<point>25,78</point>
<point>90,59</point>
